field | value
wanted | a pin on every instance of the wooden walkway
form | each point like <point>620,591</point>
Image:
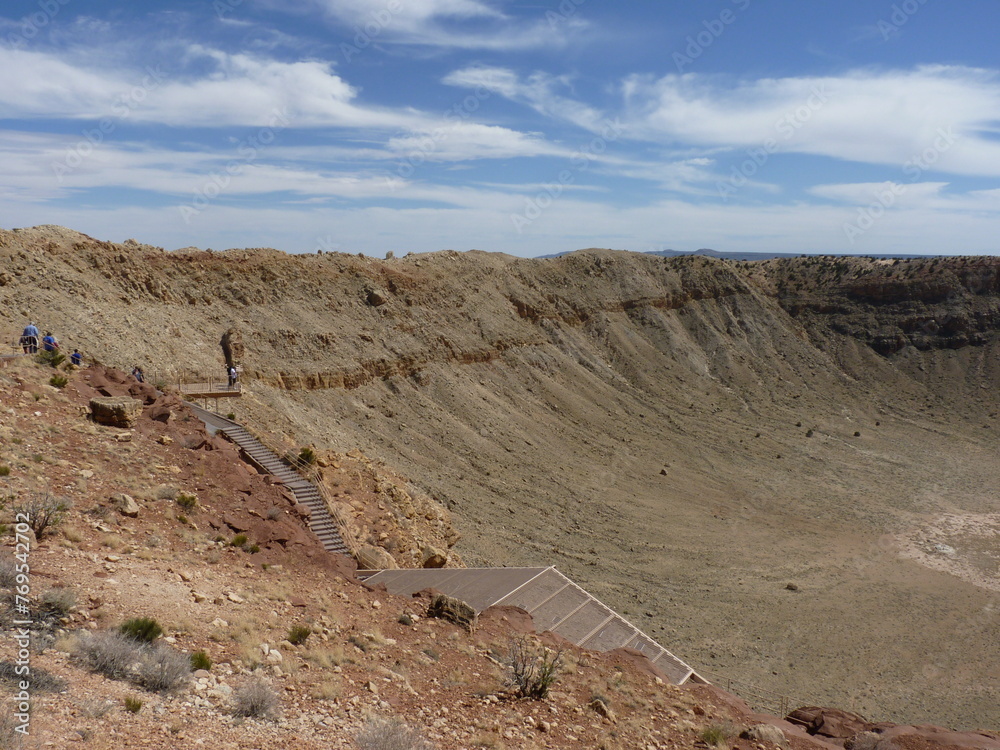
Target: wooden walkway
<point>321,522</point>
<point>210,389</point>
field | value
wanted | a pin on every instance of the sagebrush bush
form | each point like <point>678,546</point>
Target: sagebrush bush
<point>57,601</point>
<point>238,541</point>
<point>200,660</point>
<point>141,629</point>
<point>132,704</point>
<point>8,572</point>
<point>162,668</point>
<point>255,699</point>
<point>390,734</point>
<point>58,381</point>
<point>108,653</point>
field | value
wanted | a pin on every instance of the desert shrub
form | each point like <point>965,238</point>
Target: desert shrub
<point>42,680</point>
<point>4,471</point>
<point>8,572</point>
<point>405,619</point>
<point>132,704</point>
<point>531,672</point>
<point>253,549</point>
<point>162,668</point>
<point>141,629</point>
<point>717,735</point>
<point>44,511</point>
<point>298,634</point>
<point>108,653</point>
<point>274,513</point>
<point>165,492</point>
<point>57,601</point>
<point>52,359</point>
<point>389,734</point>
<point>238,541</point>
<point>255,699</point>
<point>58,381</point>
<point>200,660</point>
<point>186,501</point>
<point>231,415</point>
<point>307,455</point>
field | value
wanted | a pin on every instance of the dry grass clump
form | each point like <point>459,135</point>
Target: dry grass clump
<point>255,699</point>
<point>390,734</point>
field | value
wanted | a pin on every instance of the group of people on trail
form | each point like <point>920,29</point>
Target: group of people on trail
<point>30,338</point>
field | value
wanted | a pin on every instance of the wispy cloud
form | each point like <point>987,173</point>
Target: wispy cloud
<point>461,24</point>
<point>874,117</point>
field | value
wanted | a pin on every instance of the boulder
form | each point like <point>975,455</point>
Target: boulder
<point>453,610</point>
<point>603,709</point>
<point>765,733</point>
<point>828,722</point>
<point>374,558</point>
<point>434,558</point>
<point>126,505</point>
<point>115,412</point>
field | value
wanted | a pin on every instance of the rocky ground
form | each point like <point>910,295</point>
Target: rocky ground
<point>152,531</point>
<point>781,470</point>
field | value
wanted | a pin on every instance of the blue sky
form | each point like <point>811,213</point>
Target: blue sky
<point>524,127</point>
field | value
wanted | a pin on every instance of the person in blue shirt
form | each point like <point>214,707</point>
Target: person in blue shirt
<point>49,343</point>
<point>76,358</point>
<point>29,339</point>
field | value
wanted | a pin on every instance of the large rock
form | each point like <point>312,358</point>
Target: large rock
<point>434,558</point>
<point>829,722</point>
<point>765,733</point>
<point>374,558</point>
<point>453,610</point>
<point>126,505</point>
<point>115,412</point>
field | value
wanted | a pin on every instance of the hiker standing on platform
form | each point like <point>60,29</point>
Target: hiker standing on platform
<point>232,377</point>
<point>29,339</point>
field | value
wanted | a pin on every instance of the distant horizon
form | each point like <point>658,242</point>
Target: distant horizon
<point>370,126</point>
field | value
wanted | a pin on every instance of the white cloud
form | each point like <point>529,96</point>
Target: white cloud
<point>539,91</point>
<point>933,117</point>
<point>239,89</point>
<point>894,193</point>
<point>462,24</point>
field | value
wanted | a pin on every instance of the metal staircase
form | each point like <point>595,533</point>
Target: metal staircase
<point>321,522</point>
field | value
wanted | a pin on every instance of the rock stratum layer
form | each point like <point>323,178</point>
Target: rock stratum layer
<point>786,470</point>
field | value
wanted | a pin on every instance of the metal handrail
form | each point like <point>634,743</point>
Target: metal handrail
<point>311,473</point>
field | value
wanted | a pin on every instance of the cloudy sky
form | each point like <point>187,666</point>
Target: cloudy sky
<point>844,126</point>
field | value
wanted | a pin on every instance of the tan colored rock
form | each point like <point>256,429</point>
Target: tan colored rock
<point>126,505</point>
<point>603,709</point>
<point>374,558</point>
<point>765,733</point>
<point>433,557</point>
<point>115,412</point>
